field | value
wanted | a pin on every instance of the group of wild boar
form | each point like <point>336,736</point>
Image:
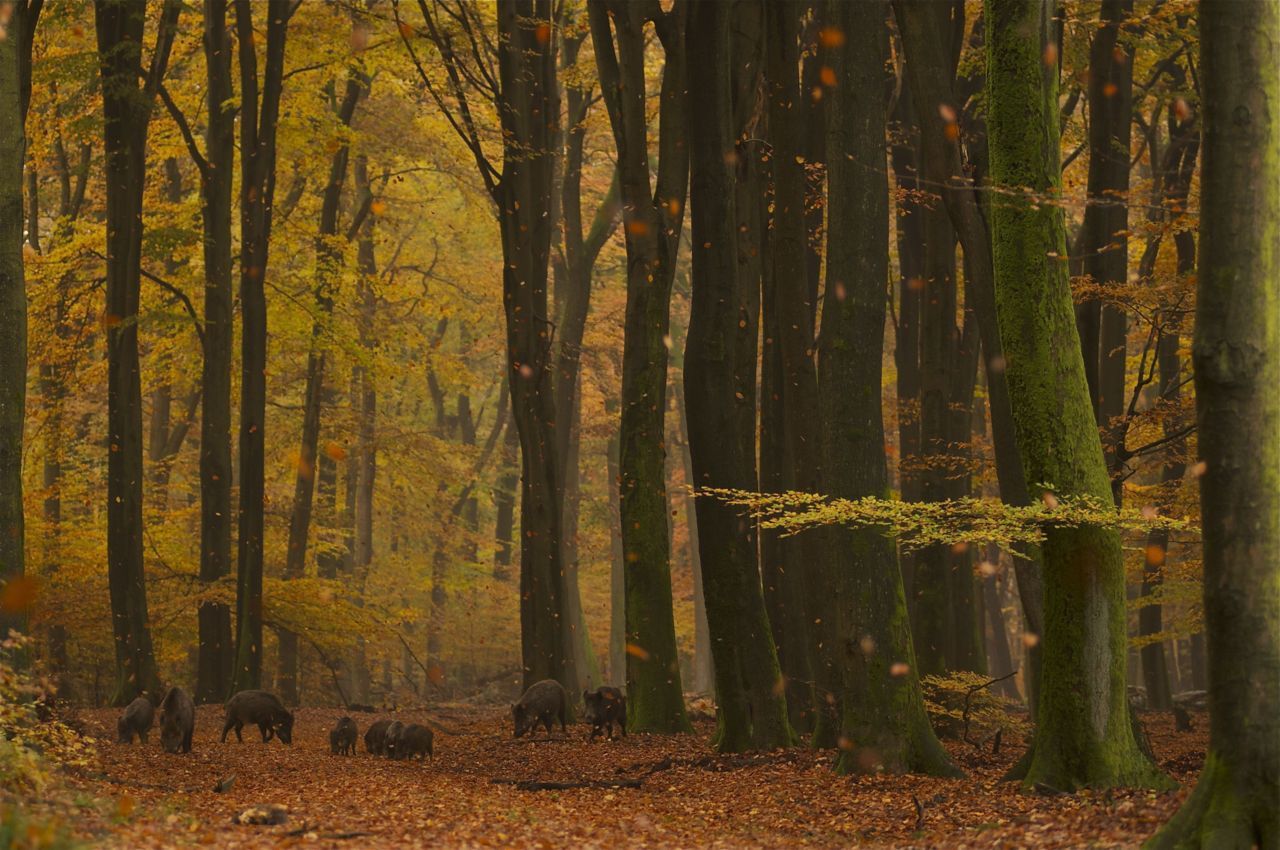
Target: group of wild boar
<point>543,704</point>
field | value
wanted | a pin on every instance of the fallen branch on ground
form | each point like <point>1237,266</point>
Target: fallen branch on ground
<point>535,785</point>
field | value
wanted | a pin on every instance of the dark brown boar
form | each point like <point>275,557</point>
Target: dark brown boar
<point>375,739</point>
<point>605,707</point>
<point>136,720</point>
<point>543,703</point>
<point>177,721</point>
<point>342,740</point>
<point>415,740</point>
<point>262,709</point>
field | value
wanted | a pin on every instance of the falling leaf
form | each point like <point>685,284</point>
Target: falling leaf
<point>19,594</point>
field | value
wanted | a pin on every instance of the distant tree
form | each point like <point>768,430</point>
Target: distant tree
<point>1236,353</point>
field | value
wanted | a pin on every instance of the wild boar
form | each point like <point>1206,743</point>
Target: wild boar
<point>342,740</point>
<point>177,721</point>
<point>415,740</point>
<point>261,708</point>
<point>136,720</point>
<point>605,707</point>
<point>544,702</point>
<point>375,738</point>
<point>391,740</point>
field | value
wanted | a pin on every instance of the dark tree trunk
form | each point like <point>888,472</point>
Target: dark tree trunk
<point>127,111</point>
<point>884,725</point>
<point>1102,248</point>
<point>617,559</point>
<point>752,708</point>
<point>1237,370</point>
<point>926,27</point>
<point>328,267</point>
<point>214,662</point>
<point>1173,183</point>
<point>703,679</point>
<point>527,108</point>
<point>259,113</point>
<point>13,310</point>
<point>653,215</point>
<point>796,571</point>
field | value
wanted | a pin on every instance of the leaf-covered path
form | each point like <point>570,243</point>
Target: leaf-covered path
<point>688,797</point>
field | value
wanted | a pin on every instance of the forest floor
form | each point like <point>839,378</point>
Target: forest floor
<point>140,797</point>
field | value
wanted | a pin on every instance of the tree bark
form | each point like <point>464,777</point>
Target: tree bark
<point>884,725</point>
<point>259,113</point>
<point>653,215</point>
<point>526,63</point>
<point>1084,737</point>
<point>924,28</point>
<point>214,661</point>
<point>126,117</point>
<point>1101,251</point>
<point>13,316</point>
<point>1237,368</point>
<point>752,708</point>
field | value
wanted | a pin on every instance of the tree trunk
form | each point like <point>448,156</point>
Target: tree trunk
<point>1236,353</point>
<point>752,708</point>
<point>526,64</point>
<point>1103,245</point>
<point>1084,737</point>
<point>703,679</point>
<point>617,561</point>
<point>328,267</point>
<point>653,216</point>
<point>925,28</point>
<point>214,661</point>
<point>13,320</point>
<point>884,725</point>
<point>795,566</point>
<point>126,117</point>
<point>257,188</point>
<point>504,502</point>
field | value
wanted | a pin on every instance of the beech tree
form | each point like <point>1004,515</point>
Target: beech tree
<point>127,109</point>
<point>653,215</point>
<point>883,721</point>
<point>1083,733</point>
<point>1236,353</point>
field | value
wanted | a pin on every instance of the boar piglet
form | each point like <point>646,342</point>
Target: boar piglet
<point>605,707</point>
<point>375,739</point>
<point>342,740</point>
<point>136,720</point>
<point>543,703</point>
<point>262,709</point>
<point>177,721</point>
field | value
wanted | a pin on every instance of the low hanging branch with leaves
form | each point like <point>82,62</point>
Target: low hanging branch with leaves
<point>918,525</point>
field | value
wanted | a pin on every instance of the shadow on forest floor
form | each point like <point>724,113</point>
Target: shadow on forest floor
<point>687,797</point>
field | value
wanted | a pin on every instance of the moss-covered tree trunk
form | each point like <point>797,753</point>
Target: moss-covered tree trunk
<point>13,317</point>
<point>752,708</point>
<point>884,725</point>
<point>127,108</point>
<point>1084,737</point>
<point>1236,354</point>
<point>653,215</point>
